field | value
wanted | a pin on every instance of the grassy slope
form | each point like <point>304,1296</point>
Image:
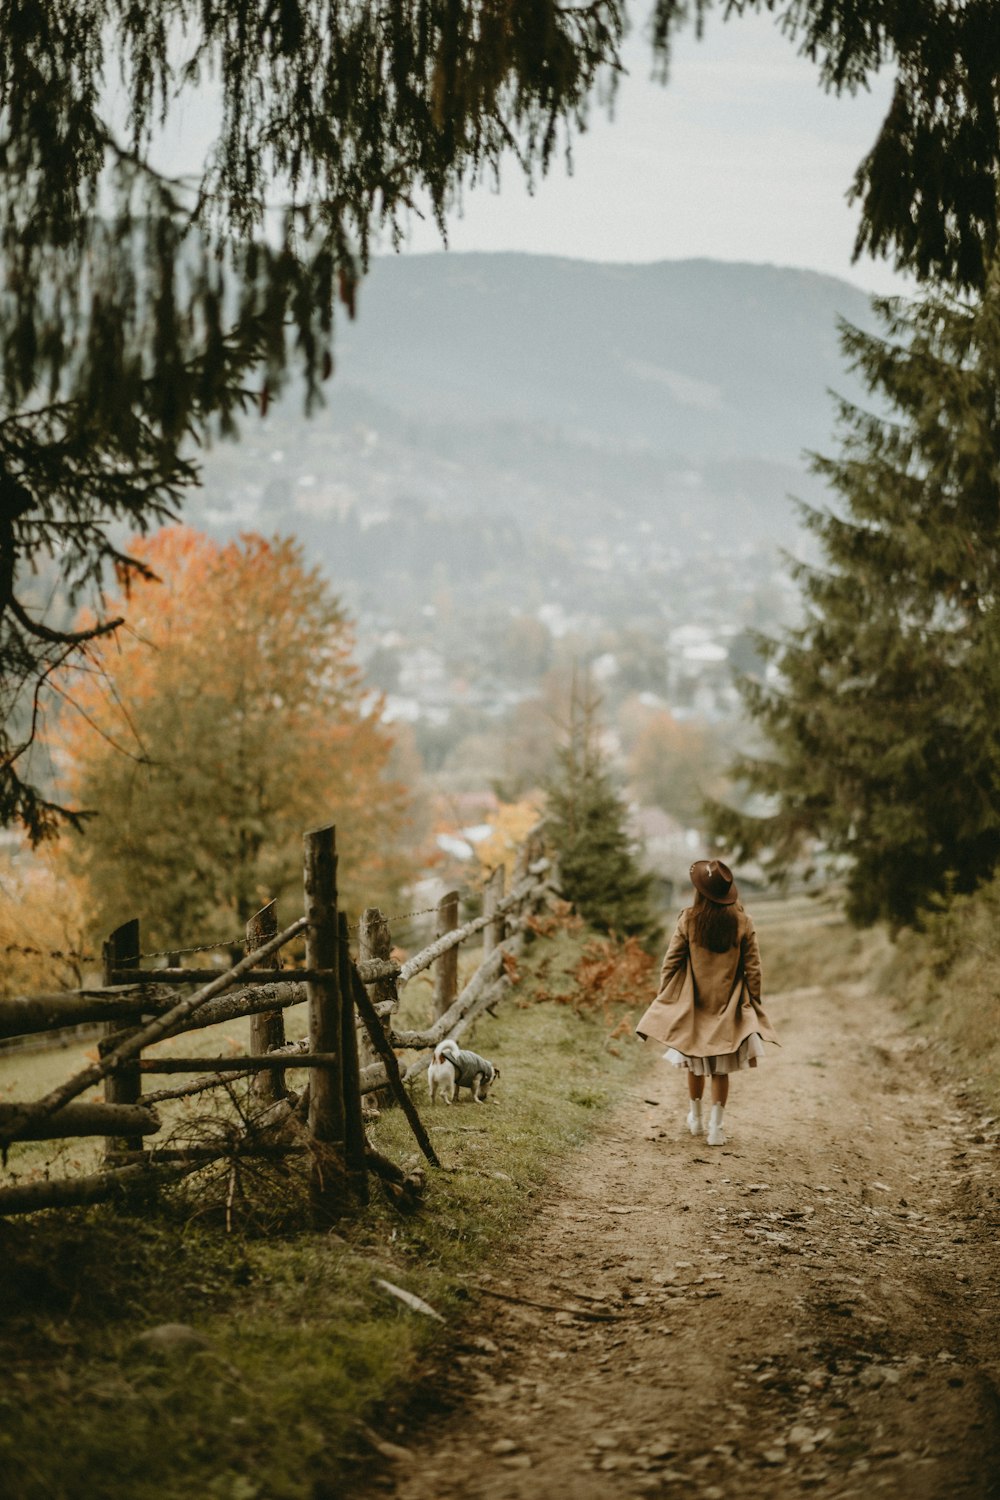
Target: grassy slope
<point>805,941</point>
<point>944,979</point>
<point>301,1343</point>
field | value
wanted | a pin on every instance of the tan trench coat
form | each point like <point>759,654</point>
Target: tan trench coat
<point>708,1003</point>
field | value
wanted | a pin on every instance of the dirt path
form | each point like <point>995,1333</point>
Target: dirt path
<point>811,1309</point>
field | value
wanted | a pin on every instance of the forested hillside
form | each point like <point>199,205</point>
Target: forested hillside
<point>558,393</point>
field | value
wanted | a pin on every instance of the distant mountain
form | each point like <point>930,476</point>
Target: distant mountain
<point>559,395</point>
<point>700,358</point>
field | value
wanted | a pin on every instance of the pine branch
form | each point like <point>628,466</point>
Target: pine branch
<point>61,637</point>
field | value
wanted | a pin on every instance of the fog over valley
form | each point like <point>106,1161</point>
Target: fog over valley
<point>525,463</point>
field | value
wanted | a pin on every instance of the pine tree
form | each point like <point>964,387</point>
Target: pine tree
<point>881,708</point>
<point>587,824</point>
<point>141,309</point>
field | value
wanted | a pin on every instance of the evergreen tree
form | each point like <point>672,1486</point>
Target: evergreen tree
<point>587,826</point>
<point>140,309</point>
<point>882,707</point>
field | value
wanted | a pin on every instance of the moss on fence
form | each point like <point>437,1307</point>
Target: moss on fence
<point>295,1347</point>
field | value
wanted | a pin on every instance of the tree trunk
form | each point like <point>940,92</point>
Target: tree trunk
<point>30,1015</point>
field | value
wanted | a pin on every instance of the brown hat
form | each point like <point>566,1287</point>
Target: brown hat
<point>714,880</point>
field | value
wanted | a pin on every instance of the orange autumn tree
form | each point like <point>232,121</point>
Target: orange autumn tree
<point>674,765</point>
<point>224,720</point>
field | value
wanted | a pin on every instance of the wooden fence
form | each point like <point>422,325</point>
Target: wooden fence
<point>345,995</point>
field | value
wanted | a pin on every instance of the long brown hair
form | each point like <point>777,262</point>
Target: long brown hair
<point>713,926</point>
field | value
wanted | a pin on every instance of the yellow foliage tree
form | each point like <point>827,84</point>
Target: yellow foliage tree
<point>229,718</point>
<point>43,925</point>
<point>512,822</point>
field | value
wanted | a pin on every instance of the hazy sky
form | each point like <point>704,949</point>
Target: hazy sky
<point>741,156</point>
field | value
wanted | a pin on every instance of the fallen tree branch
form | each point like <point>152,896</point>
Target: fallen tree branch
<point>371,969</point>
<point>202,976</point>
<point>239,1064</point>
<point>188,1090</point>
<point>200,1156</point>
<point>374,969</point>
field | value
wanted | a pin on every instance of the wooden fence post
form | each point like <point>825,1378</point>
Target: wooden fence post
<point>446,967</point>
<point>354,1130</point>
<point>327,1122</point>
<point>375,941</point>
<point>124,1086</point>
<point>267,1030</point>
<point>493,935</point>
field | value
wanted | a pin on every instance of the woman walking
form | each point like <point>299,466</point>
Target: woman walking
<point>708,1011</point>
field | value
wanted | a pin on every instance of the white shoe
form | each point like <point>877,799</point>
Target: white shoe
<point>716,1135</point>
<point>694,1118</point>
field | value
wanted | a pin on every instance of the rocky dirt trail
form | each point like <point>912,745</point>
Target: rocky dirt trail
<point>810,1309</point>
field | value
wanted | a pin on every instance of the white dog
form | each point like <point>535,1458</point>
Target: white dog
<point>451,1069</point>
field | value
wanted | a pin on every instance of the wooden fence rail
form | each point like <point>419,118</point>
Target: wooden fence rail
<point>31,1015</point>
<point>346,998</point>
<point>86,1119</point>
<point>131,1047</point>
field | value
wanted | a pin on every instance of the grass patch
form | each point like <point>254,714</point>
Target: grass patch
<point>298,1345</point>
<point>946,980</point>
<point>943,978</point>
<point>807,941</point>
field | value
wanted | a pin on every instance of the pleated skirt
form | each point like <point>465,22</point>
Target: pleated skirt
<point>745,1056</point>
